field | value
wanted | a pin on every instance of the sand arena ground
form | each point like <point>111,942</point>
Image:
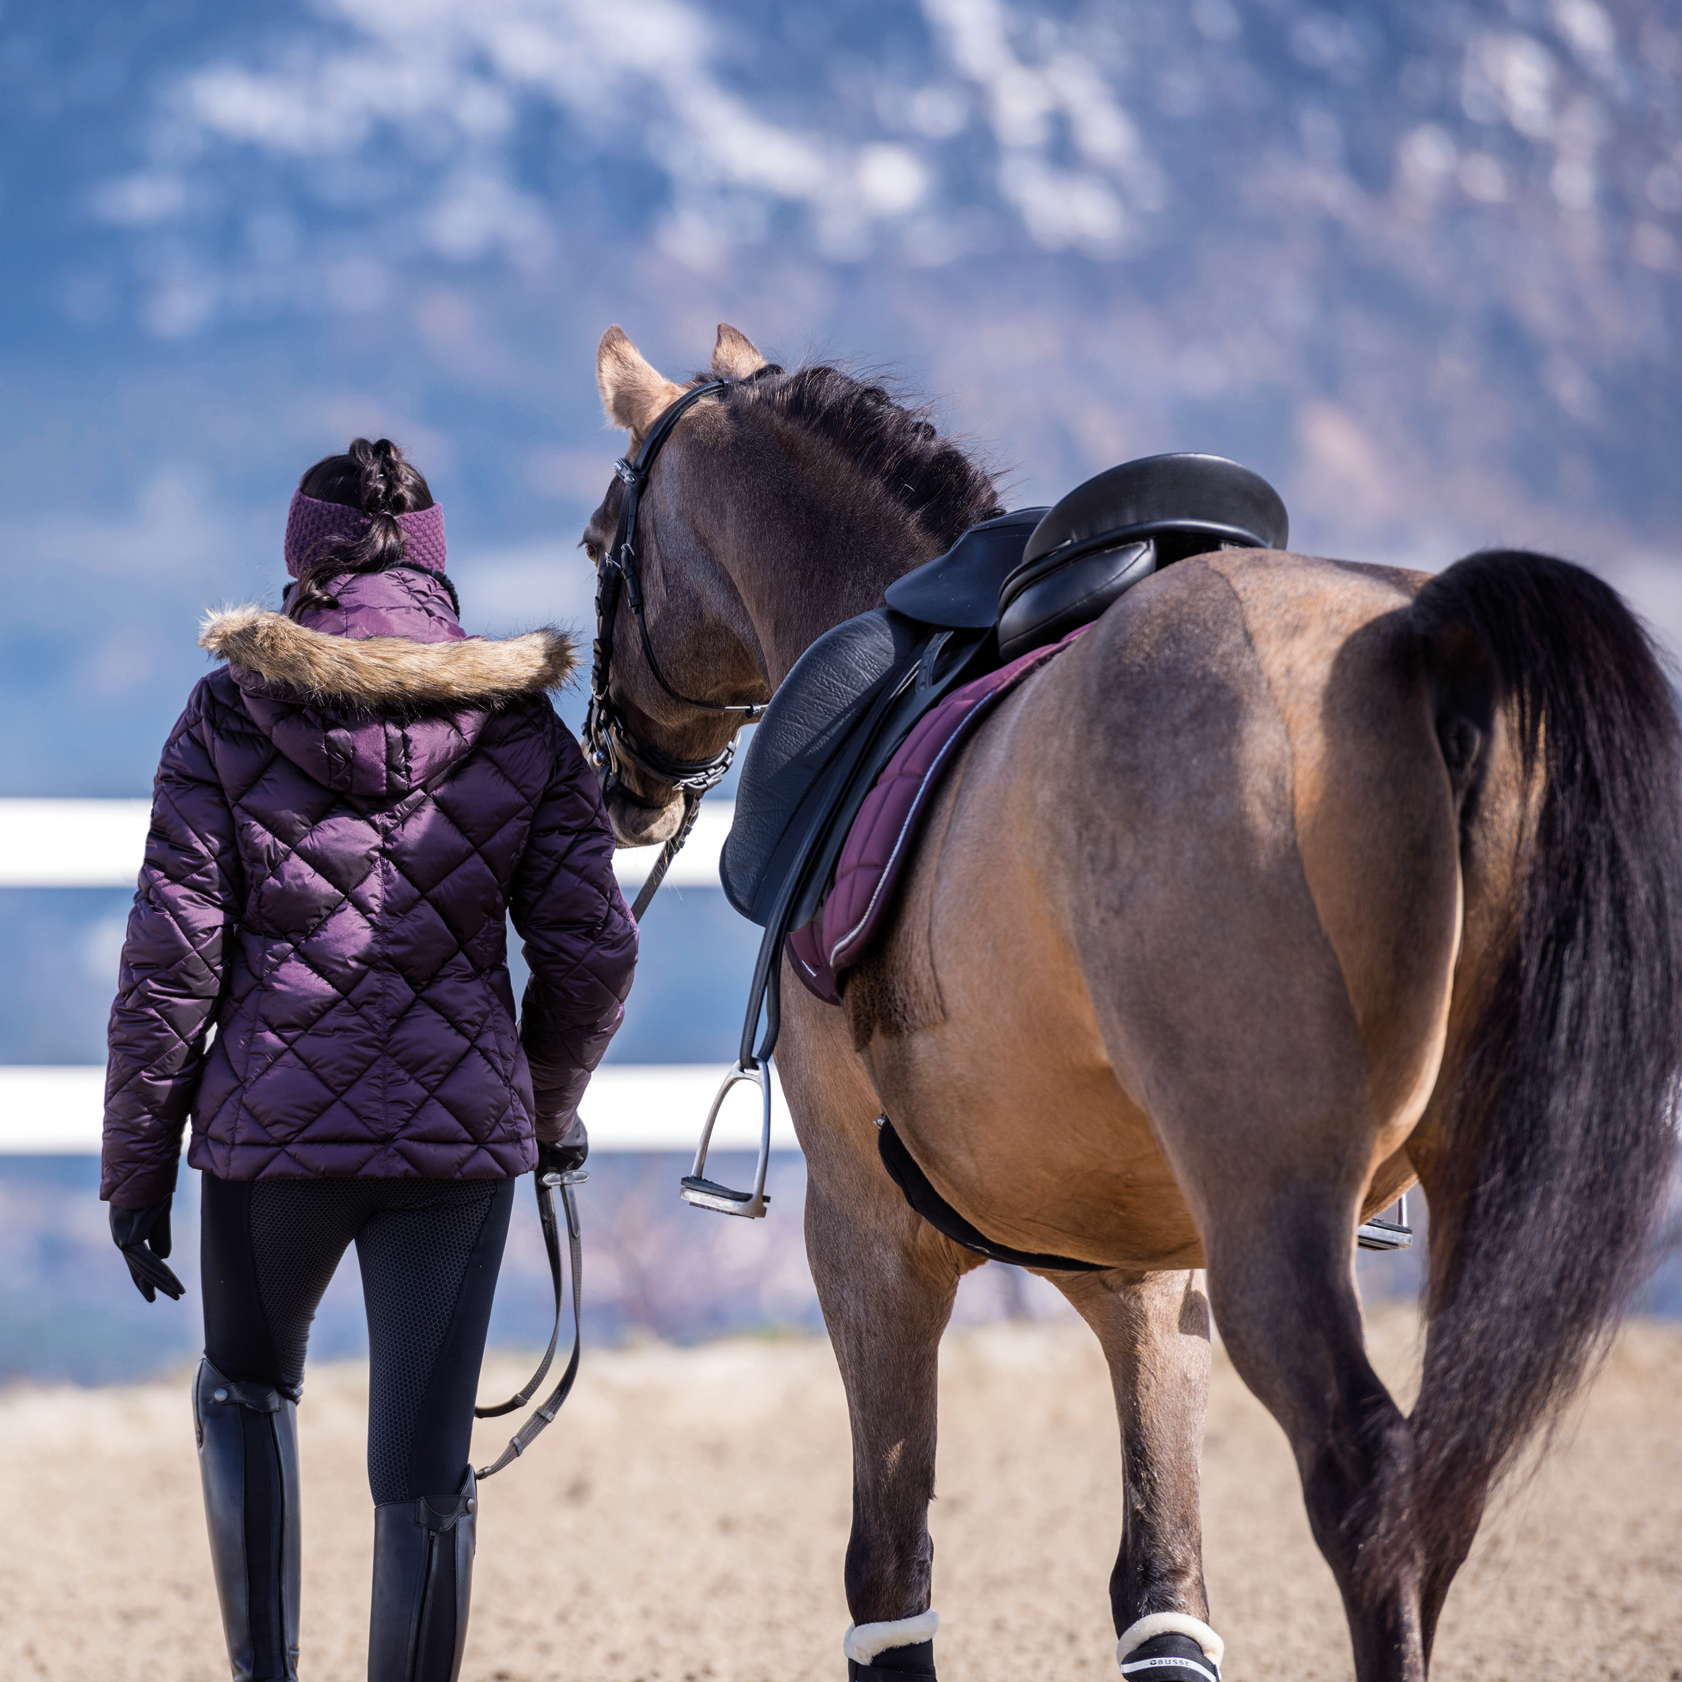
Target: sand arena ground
<point>686,1521</point>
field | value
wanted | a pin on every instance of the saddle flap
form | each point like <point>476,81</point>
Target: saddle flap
<point>959,590</point>
<point>809,734</point>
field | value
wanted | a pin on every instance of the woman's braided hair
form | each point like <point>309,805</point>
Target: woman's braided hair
<point>375,477</point>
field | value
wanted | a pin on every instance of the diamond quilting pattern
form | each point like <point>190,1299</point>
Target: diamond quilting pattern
<point>367,868</point>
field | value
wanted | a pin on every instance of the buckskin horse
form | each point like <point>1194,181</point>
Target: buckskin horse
<point>1289,883</point>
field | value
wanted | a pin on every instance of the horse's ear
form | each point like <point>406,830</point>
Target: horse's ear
<point>734,354</point>
<point>633,390</point>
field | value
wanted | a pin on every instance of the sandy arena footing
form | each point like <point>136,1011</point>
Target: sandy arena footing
<point>686,1521</point>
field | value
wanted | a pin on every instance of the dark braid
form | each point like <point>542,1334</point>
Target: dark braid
<point>375,477</point>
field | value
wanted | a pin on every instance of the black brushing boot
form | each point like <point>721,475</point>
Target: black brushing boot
<point>897,1650</point>
<point>248,1458</point>
<point>423,1578</point>
<point>1170,1647</point>
<point>1170,1658</point>
<point>912,1663</point>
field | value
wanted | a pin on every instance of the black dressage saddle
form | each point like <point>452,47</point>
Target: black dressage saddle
<point>1006,587</point>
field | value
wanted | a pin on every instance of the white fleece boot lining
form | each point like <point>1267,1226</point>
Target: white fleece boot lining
<point>1171,1623</point>
<point>865,1641</point>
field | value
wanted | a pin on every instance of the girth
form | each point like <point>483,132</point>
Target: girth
<point>940,1214</point>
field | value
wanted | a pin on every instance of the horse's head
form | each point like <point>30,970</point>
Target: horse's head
<point>678,669</point>
<point>782,502</point>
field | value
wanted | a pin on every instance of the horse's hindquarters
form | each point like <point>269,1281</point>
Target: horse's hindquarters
<point>1191,898</point>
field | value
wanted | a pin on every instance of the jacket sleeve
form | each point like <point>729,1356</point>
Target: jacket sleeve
<point>172,969</point>
<point>579,939</point>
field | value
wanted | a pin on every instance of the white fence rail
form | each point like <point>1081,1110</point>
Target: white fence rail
<point>629,1107</point>
<point>98,843</point>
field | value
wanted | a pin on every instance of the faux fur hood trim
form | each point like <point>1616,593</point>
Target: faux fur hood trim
<point>386,672</point>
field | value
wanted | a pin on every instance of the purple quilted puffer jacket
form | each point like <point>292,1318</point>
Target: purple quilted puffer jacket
<point>344,818</point>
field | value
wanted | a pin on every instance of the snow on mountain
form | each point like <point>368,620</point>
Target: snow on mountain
<point>1418,263</point>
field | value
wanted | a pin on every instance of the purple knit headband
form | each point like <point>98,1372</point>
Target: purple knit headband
<point>312,524</point>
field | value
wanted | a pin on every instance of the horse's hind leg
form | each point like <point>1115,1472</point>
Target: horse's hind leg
<point>1154,1331</point>
<point>1281,1283</point>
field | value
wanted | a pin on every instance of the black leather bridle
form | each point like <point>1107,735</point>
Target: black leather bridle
<point>607,739</point>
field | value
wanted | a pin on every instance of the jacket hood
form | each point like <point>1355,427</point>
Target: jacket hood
<point>387,673</point>
<point>377,715</point>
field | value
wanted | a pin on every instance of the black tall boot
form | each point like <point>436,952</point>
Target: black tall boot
<point>248,1457</point>
<point>423,1577</point>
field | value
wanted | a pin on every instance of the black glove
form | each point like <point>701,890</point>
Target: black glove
<point>143,1237</point>
<point>568,1153</point>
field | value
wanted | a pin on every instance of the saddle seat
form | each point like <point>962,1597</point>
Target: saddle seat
<point>1121,526</point>
<point>1009,586</point>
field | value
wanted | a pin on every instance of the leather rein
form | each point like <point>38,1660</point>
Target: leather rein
<point>607,738</point>
<point>611,748</point>
<point>548,1184</point>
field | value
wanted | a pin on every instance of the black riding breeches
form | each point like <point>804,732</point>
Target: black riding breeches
<point>429,1251</point>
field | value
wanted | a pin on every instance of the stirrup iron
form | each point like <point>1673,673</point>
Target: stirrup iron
<point>1379,1234</point>
<point>710,1194</point>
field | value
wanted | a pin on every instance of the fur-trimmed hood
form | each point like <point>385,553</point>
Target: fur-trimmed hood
<point>378,715</point>
<point>387,674</point>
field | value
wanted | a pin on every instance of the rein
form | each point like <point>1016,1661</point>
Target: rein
<point>611,747</point>
<point>542,1417</point>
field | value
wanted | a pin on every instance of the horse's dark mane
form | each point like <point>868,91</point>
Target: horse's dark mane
<point>892,443</point>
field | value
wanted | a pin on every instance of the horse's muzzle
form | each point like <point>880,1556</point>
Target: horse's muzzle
<point>640,823</point>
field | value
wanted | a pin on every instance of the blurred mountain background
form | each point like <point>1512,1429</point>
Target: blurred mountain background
<point>1421,264</point>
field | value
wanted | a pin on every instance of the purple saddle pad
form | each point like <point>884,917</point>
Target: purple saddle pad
<point>884,833</point>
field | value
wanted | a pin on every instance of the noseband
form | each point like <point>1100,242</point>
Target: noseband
<point>607,738</point>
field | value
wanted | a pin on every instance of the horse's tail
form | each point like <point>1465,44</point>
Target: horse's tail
<point>1557,1137</point>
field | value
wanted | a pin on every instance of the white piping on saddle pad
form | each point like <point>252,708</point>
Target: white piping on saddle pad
<point>865,1641</point>
<point>1169,1623</point>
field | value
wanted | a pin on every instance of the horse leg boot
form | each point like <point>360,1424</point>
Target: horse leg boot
<point>423,1579</point>
<point>1154,1331</point>
<point>248,1460</point>
<point>886,1290</point>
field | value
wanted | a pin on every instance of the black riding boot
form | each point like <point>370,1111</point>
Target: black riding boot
<point>248,1457</point>
<point>423,1576</point>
